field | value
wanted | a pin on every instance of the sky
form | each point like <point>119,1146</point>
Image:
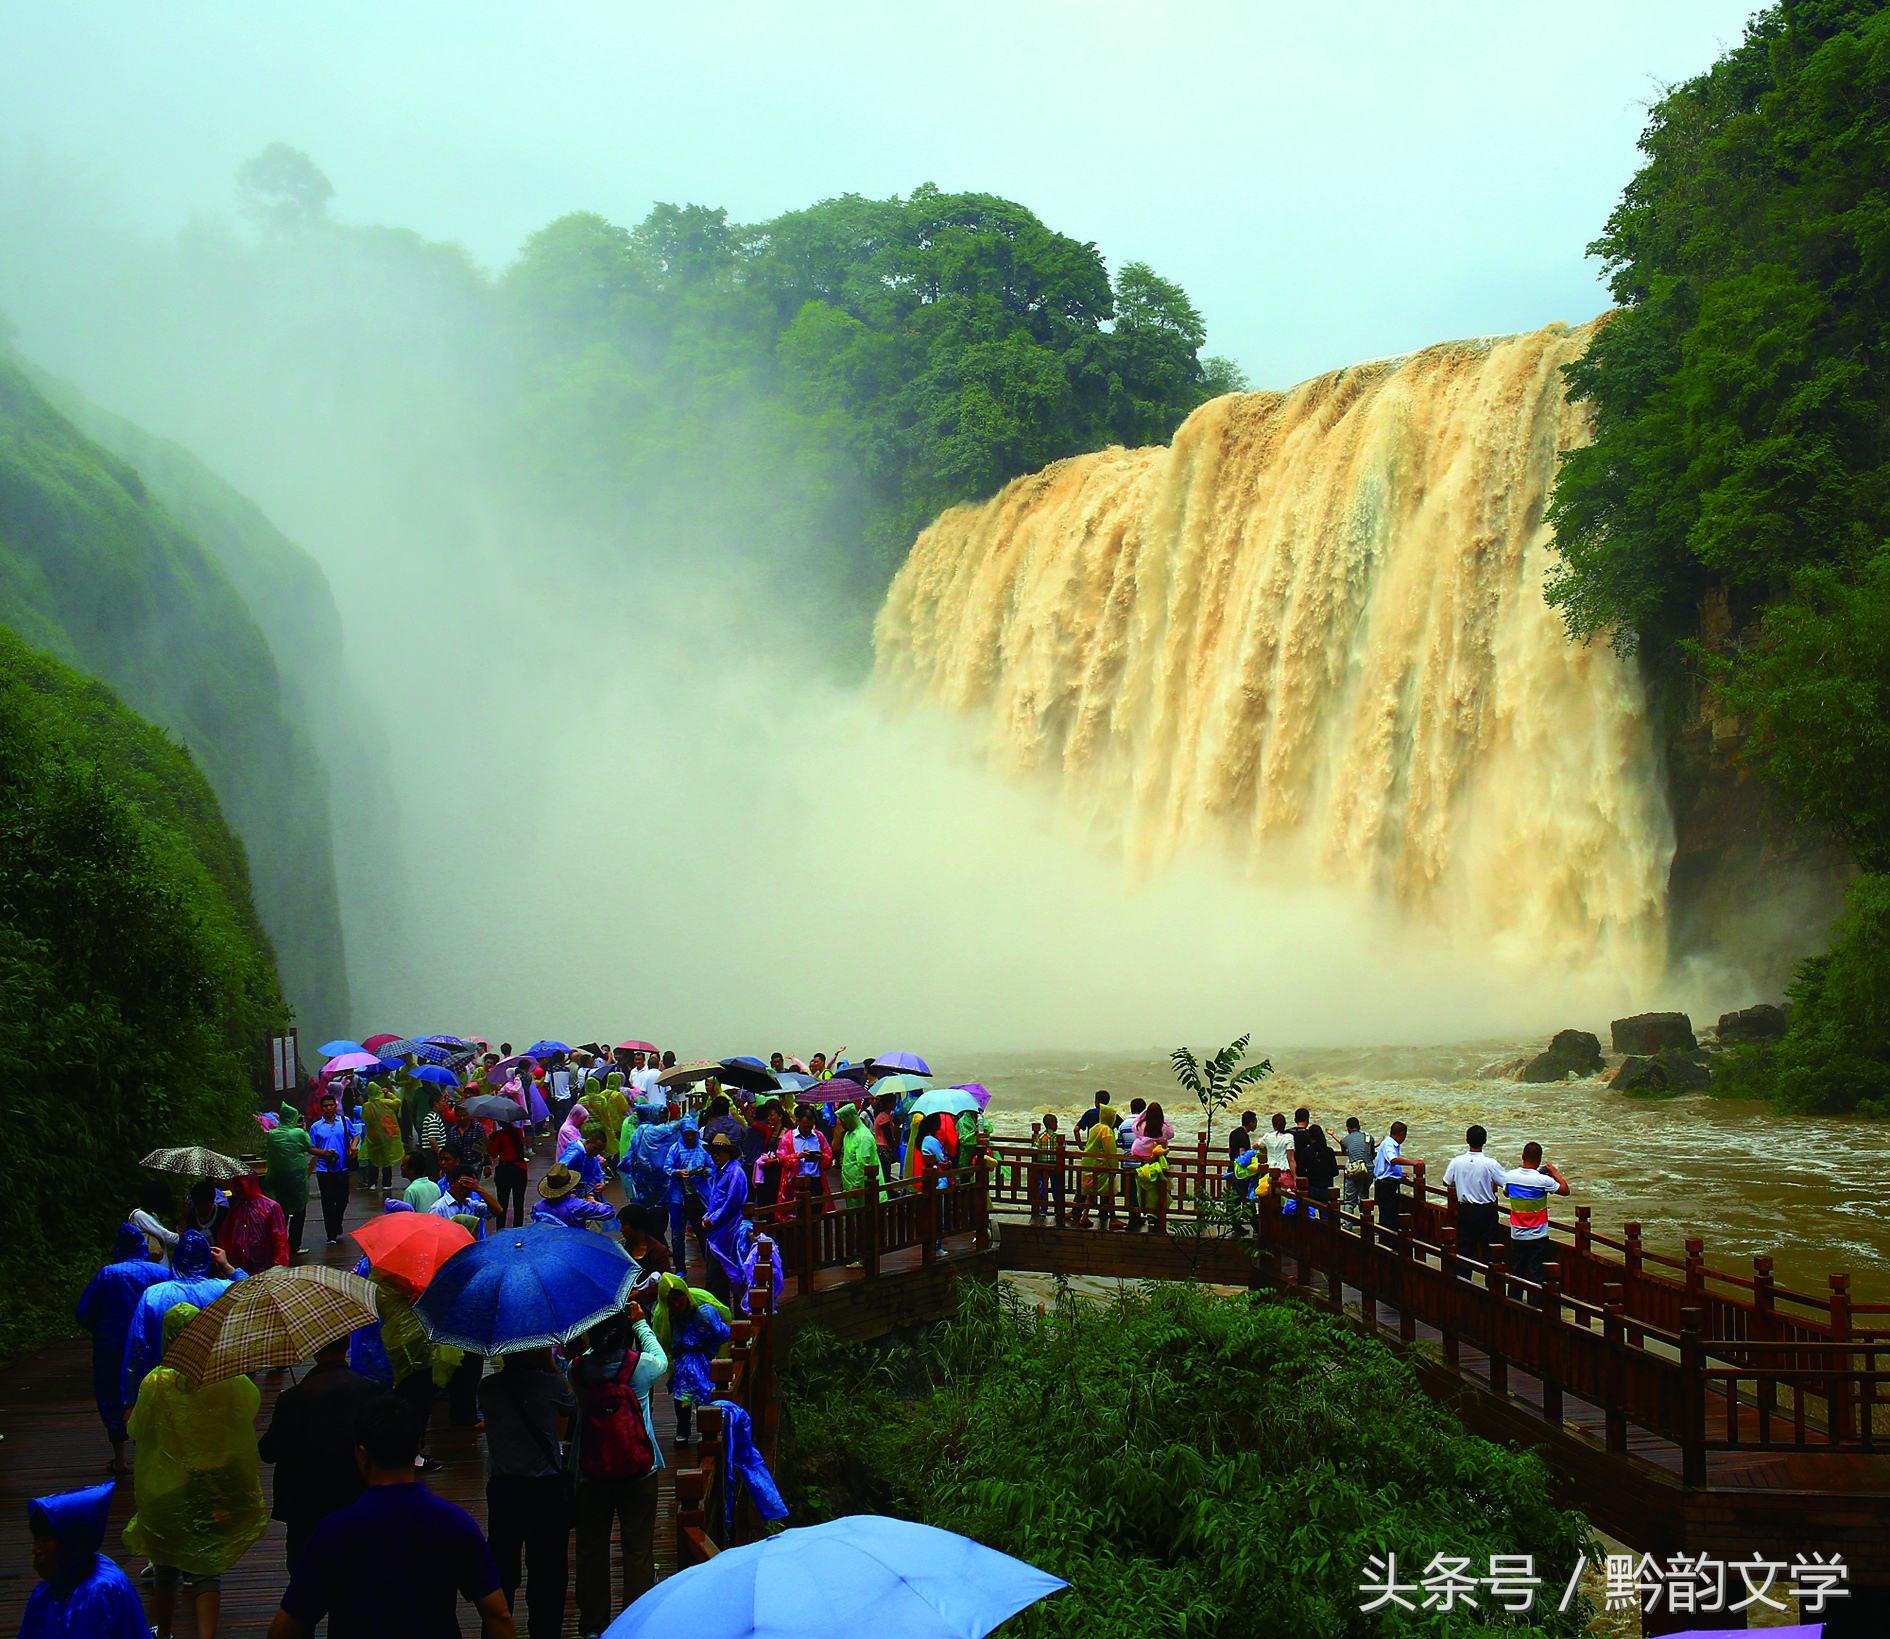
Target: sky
<point>1329,183</point>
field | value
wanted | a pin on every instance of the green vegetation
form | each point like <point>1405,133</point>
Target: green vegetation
<point>96,568</point>
<point>1170,1454</point>
<point>136,984</point>
<point>1743,446</point>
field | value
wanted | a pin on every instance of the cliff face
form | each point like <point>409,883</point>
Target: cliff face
<point>1311,634</point>
<point>97,569</point>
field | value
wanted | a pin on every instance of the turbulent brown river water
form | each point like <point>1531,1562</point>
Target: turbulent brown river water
<point>1813,1192</point>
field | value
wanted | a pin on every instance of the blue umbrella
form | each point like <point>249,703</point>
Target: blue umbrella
<point>449,1041</point>
<point>392,1052</point>
<point>334,1049</point>
<point>908,1063</point>
<point>544,1049</point>
<point>434,1074</point>
<point>525,1289</point>
<point>861,1574</point>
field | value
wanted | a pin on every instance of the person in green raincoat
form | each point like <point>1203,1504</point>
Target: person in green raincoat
<point>287,1156</point>
<point>415,1101</point>
<point>859,1155</point>
<point>197,1483</point>
<point>381,1148</point>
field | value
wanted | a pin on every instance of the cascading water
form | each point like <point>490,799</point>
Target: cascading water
<point>1312,632</point>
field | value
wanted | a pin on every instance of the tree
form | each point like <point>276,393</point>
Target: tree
<point>1220,375</point>
<point>1218,1081</point>
<point>284,189</point>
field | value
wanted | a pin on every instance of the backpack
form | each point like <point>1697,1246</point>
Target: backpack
<point>616,1439</point>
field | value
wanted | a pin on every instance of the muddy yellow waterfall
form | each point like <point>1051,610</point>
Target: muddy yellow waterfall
<point>1311,635</point>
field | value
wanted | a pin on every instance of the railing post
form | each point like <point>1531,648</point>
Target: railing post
<point>1630,1277</point>
<point>805,1227</point>
<point>1447,1238</point>
<point>1840,1413</point>
<point>1420,1204</point>
<point>1764,1330</point>
<point>1692,1397</point>
<point>1060,1185</point>
<point>1695,1273</point>
<point>1551,1318</point>
<point>927,1217</point>
<point>1498,1278</point>
<point>1407,1321</point>
<point>1614,1335</point>
<point>761,1406</point>
<point>981,1204</point>
<point>1367,1240</point>
<point>1335,1282</point>
<point>870,1228</point>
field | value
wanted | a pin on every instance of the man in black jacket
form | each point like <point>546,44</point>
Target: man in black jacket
<point>311,1441</point>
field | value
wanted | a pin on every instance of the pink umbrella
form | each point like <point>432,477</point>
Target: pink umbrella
<point>354,1061</point>
<point>380,1041</point>
<point>635,1047</point>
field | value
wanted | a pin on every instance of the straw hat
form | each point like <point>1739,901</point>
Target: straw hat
<point>558,1183</point>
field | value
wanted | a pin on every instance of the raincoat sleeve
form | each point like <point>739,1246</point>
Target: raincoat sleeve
<point>198,1482</point>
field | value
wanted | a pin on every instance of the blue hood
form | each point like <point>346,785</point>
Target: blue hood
<point>76,1521</point>
<point>191,1256</point>
<point>131,1246</point>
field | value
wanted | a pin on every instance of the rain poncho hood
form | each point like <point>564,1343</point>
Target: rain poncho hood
<point>572,1132</point>
<point>87,1597</point>
<point>198,1482</point>
<point>191,1257</point>
<point>129,1245</point>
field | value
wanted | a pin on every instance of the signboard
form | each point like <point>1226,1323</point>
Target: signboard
<point>282,1062</point>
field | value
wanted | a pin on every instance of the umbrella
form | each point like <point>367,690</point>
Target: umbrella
<point>276,1318</point>
<point>375,1042</point>
<point>831,1091</point>
<point>410,1246</point>
<point>392,1052</point>
<point>946,1101</point>
<point>525,1289</point>
<point>792,1081</point>
<point>977,1089</point>
<point>900,1086</point>
<point>751,1075</point>
<point>695,1070</point>
<point>194,1161</point>
<point>545,1049</point>
<point>909,1062</point>
<point>330,1049</point>
<point>632,1047</point>
<point>448,1041</point>
<point>505,1069</point>
<point>860,1574</point>
<point>847,1072</point>
<point>351,1061</point>
<point>491,1107</point>
<point>438,1076</point>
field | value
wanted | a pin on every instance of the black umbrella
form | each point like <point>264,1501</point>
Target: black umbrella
<point>747,1075</point>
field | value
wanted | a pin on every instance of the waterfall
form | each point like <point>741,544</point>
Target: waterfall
<point>1310,634</point>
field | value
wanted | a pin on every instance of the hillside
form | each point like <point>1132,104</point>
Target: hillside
<point>99,567</point>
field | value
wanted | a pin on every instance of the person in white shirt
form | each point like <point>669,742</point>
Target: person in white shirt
<point>1476,1178</point>
<point>1279,1146</point>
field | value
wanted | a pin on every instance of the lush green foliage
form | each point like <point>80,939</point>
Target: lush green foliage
<point>136,985</point>
<point>1221,1079</point>
<point>1742,443</point>
<point>96,568</point>
<point>1196,1467</point>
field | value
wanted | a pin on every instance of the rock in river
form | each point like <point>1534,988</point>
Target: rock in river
<point>1570,1053</point>
<point>1651,1032</point>
<point>1762,1023</point>
<point>1668,1071</point>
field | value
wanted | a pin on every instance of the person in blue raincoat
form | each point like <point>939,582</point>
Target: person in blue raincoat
<point>687,1164</point>
<point>82,1594</point>
<point>198,1275</point>
<point>725,1227</point>
<point>642,1173</point>
<point>105,1309</point>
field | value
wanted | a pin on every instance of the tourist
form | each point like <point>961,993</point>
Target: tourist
<point>1096,1185</point>
<point>1298,1134</point>
<point>466,1197</point>
<point>859,1154</point>
<point>687,1166</point>
<point>1279,1147</point>
<point>416,1098</point>
<point>642,1229</point>
<point>397,1559</point>
<point>1527,1189</point>
<point>1315,1167</point>
<point>1476,1178</point>
<point>334,1156</point>
<point>693,1326</point>
<point>382,1144</point>
<point>1099,1110</point>
<point>255,1234</point>
<point>1126,1130</point>
<point>154,1206</point>
<point>431,1137</point>
<point>1388,1170</point>
<point>204,1207</point>
<point>617,1461</point>
<point>725,1226</point>
<point>527,1406</point>
<point>287,1157</point>
<point>1151,1184</point>
<point>761,1152</point>
<point>1245,1135</point>
<point>197,1486</point>
<point>1356,1150</point>
<point>720,1117</point>
<point>806,1159</point>
<point>81,1593</point>
<point>310,1439</point>
<point>1146,1163</point>
<point>105,1309</point>
<point>506,1149</point>
<point>571,1130</point>
<point>609,1106</point>
<point>1046,1173</point>
<point>560,1201</point>
<point>422,1173</point>
<point>934,1159</point>
<point>199,1275</point>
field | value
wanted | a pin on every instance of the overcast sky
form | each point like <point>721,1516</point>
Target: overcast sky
<point>1329,182</point>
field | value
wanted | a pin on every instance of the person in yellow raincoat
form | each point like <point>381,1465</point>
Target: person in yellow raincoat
<point>197,1483</point>
<point>381,1149</point>
<point>1101,1163</point>
<point>1151,1183</point>
<point>609,1105</point>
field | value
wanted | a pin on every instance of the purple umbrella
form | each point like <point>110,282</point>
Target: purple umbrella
<point>907,1063</point>
<point>832,1091</point>
<point>976,1089</point>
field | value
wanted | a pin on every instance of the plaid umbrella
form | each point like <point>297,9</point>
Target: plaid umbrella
<point>277,1318</point>
<point>194,1161</point>
<point>391,1053</point>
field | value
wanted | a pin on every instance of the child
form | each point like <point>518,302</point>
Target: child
<point>1046,1180</point>
<point>81,1593</point>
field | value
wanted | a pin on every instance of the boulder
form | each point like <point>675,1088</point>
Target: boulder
<point>1570,1053</point>
<point>1762,1023</point>
<point>1653,1032</point>
<point>1668,1071</point>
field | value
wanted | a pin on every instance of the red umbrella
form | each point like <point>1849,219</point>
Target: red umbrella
<point>373,1043</point>
<point>410,1246</point>
<point>636,1047</point>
